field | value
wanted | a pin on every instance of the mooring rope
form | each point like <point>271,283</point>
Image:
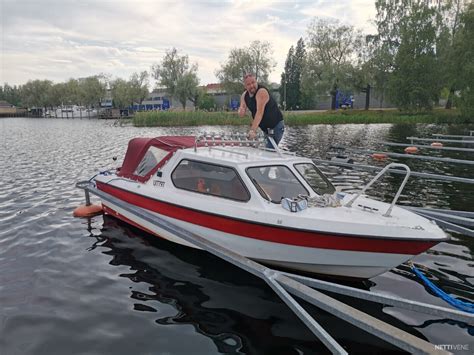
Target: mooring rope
<point>461,305</point>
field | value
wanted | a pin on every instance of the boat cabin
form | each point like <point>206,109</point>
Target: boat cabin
<point>222,170</point>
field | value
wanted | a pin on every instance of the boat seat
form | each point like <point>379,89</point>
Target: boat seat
<point>215,189</point>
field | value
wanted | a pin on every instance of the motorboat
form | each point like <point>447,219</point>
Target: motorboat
<point>269,205</point>
<point>71,111</point>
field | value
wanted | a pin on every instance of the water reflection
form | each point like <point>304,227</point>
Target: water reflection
<point>100,286</point>
<point>240,315</point>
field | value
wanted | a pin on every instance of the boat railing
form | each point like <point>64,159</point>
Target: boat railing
<point>378,176</point>
<point>213,140</point>
<point>235,139</point>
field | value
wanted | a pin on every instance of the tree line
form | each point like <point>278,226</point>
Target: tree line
<point>422,51</point>
<point>87,92</point>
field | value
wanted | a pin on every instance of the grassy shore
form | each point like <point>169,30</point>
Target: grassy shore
<point>198,118</point>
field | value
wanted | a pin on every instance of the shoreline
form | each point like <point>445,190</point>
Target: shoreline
<point>296,118</point>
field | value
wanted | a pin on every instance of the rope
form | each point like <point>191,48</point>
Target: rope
<point>461,305</point>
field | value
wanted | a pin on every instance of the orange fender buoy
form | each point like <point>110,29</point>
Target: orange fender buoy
<point>87,211</point>
<point>411,150</point>
<point>379,156</point>
<point>437,144</point>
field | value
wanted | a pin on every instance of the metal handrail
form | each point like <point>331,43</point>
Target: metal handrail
<point>382,172</point>
<point>275,146</point>
<point>239,139</point>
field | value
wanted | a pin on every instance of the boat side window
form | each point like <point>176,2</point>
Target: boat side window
<point>276,182</point>
<point>209,179</point>
<point>152,157</point>
<point>315,178</point>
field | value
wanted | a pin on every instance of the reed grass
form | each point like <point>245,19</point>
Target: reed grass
<point>198,118</point>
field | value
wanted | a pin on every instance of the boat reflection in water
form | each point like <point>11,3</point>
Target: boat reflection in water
<point>238,311</point>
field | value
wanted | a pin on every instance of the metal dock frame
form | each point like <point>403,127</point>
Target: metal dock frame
<point>421,157</point>
<point>284,284</point>
<point>412,139</point>
<point>395,171</point>
<point>426,146</point>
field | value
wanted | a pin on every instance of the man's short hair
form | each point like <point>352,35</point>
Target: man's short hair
<point>248,75</point>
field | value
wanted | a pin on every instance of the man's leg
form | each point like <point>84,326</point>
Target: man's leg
<point>278,131</point>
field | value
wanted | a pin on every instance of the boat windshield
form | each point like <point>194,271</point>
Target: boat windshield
<point>152,157</point>
<point>315,178</point>
<point>276,182</point>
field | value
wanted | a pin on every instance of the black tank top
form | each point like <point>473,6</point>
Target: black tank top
<point>271,115</point>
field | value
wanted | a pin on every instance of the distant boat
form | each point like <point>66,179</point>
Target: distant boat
<point>71,111</point>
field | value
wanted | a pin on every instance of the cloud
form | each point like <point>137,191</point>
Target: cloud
<point>356,12</point>
<point>59,39</point>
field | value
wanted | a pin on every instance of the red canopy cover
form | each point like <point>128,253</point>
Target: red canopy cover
<point>137,147</point>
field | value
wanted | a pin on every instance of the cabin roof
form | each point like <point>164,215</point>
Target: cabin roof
<point>229,155</point>
<point>137,148</point>
<point>240,155</point>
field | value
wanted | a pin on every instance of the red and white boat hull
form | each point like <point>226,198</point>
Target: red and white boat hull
<point>213,192</point>
<point>348,256</point>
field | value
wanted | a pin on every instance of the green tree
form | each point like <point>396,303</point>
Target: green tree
<point>187,89</point>
<point>92,89</point>
<point>310,87</point>
<point>256,59</point>
<point>376,69</point>
<point>121,93</point>
<point>383,46</point>
<point>298,66</point>
<point>205,101</point>
<point>414,82</point>
<point>333,50</point>
<point>290,88</point>
<point>451,12</point>
<point>72,93</point>
<point>37,93</point>
<point>285,99</point>
<point>12,94</point>
<point>464,61</point>
<point>58,94</point>
<point>177,76</point>
<point>139,86</point>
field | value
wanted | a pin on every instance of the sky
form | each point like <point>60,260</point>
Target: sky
<point>62,39</point>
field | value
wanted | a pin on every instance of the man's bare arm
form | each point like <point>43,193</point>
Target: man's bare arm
<point>262,98</point>
<point>243,106</point>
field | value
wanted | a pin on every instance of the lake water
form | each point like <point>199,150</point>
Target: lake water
<point>99,286</point>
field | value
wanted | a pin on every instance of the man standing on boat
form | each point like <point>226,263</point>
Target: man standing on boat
<point>264,109</point>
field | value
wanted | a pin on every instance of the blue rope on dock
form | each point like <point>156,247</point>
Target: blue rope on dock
<point>461,305</point>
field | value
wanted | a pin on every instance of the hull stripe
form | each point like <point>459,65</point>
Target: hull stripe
<point>270,233</point>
